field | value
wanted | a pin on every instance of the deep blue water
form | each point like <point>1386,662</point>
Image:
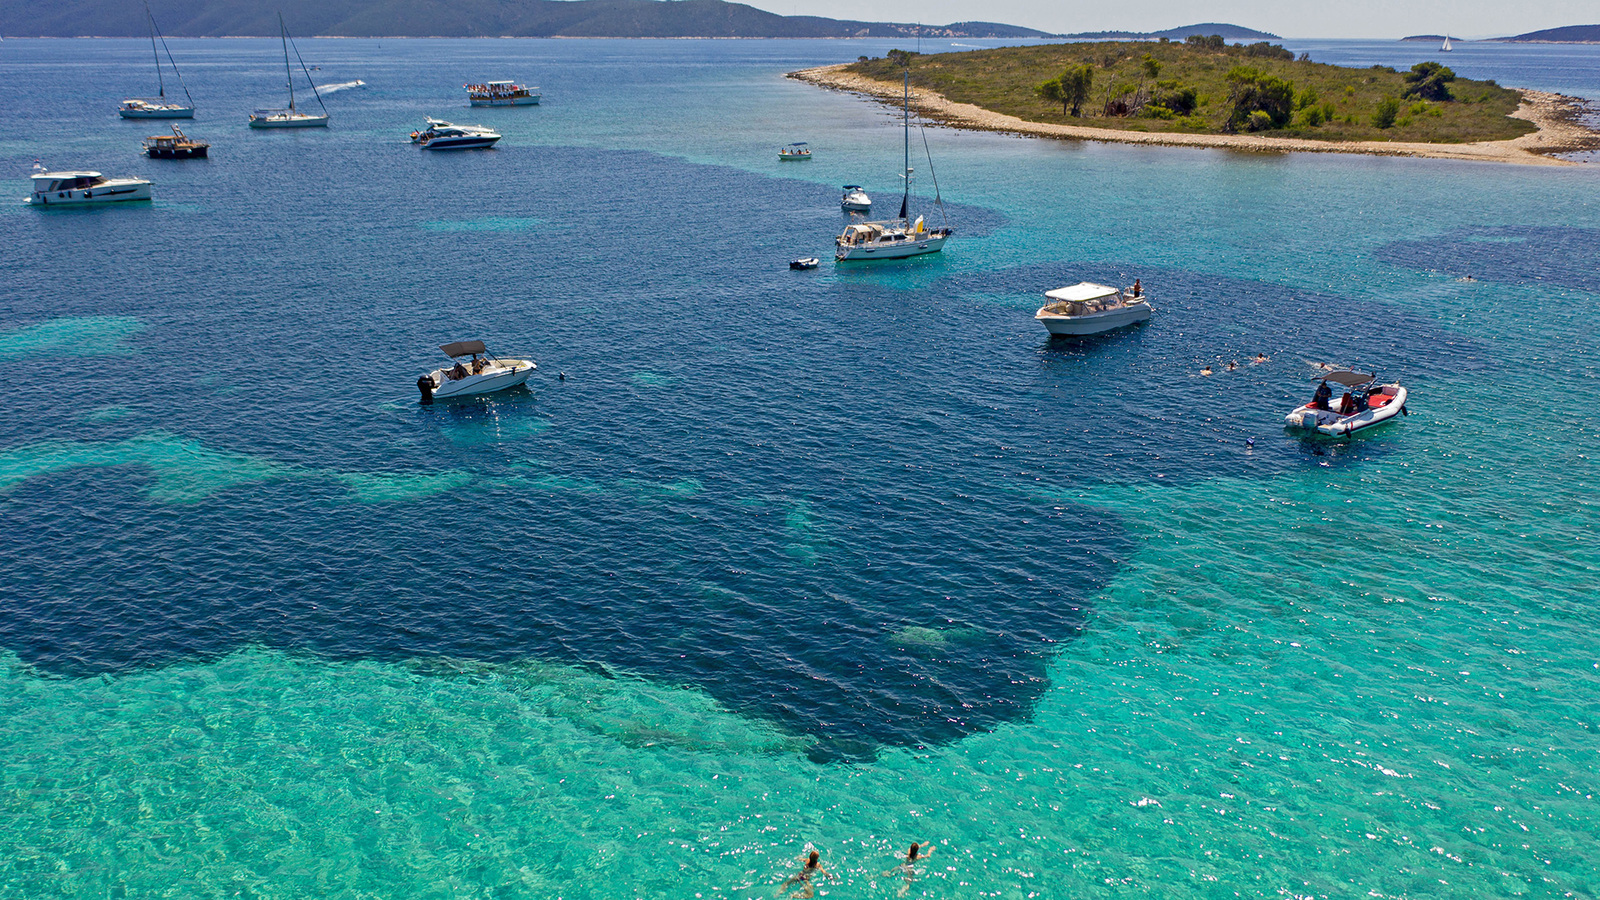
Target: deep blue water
<point>812,495</point>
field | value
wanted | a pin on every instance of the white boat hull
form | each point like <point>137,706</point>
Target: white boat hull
<point>516,372</point>
<point>115,192</point>
<point>1331,423</point>
<point>1094,323</point>
<point>929,242</point>
<point>530,100</point>
<point>296,121</point>
<point>171,112</point>
<point>474,143</point>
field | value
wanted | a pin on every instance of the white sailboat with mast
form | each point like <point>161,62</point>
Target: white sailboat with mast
<point>900,237</point>
<point>291,117</point>
<point>1446,48</point>
<point>159,107</point>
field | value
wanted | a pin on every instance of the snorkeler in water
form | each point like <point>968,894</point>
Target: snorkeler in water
<point>909,867</point>
<point>801,880</point>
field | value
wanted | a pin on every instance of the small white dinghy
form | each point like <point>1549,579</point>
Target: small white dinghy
<point>1088,308</point>
<point>1365,403</point>
<point>482,374</point>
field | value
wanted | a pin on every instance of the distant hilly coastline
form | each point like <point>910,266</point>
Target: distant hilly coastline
<point>458,18</point>
<point>1570,34</point>
<point>1228,33</point>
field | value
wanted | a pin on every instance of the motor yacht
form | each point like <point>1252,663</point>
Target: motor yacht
<point>483,373</point>
<point>855,199</point>
<point>501,93</point>
<point>78,188</point>
<point>176,145</point>
<point>1365,404</point>
<point>440,135</point>
<point>1088,308</point>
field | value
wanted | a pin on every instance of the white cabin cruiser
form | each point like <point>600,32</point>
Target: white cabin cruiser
<point>1365,403</point>
<point>482,374</point>
<point>1089,308</point>
<point>78,188</point>
<point>855,199</point>
<point>899,237</point>
<point>441,135</point>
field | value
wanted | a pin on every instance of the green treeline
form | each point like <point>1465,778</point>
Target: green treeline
<point>1204,85</point>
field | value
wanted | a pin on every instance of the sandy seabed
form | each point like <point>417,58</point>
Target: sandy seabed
<point>1558,117</point>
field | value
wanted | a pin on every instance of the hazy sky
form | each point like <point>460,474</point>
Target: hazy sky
<point>1290,18</point>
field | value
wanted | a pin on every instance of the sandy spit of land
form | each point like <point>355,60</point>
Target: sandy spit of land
<point>1559,117</point>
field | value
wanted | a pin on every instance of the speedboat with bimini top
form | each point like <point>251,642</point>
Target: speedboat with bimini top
<point>501,93</point>
<point>794,152</point>
<point>1365,404</point>
<point>291,117</point>
<point>78,188</point>
<point>1089,308</point>
<point>440,135</point>
<point>855,199</point>
<point>482,374</point>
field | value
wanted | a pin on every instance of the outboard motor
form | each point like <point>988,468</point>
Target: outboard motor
<point>425,385</point>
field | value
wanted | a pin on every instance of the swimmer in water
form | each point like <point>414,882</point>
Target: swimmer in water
<point>1206,371</point>
<point>1260,358</point>
<point>909,867</point>
<point>801,880</point>
<point>1233,364</point>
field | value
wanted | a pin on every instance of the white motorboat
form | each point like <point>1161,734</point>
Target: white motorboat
<point>1089,308</point>
<point>482,374</point>
<point>78,188</point>
<point>805,262</point>
<point>899,237</point>
<point>291,117</point>
<point>501,93</point>
<point>1365,403</point>
<point>441,135</point>
<point>855,199</point>
<point>159,107</point>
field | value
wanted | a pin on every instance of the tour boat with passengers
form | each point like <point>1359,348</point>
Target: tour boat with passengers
<point>482,374</point>
<point>441,135</point>
<point>501,93</point>
<point>1088,308</point>
<point>1365,403</point>
<point>78,188</point>
<point>899,237</point>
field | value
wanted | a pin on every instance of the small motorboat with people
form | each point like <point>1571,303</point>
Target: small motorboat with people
<point>483,373</point>
<point>501,93</point>
<point>855,199</point>
<point>805,262</point>
<point>441,135</point>
<point>1365,403</point>
<point>1087,308</point>
<point>78,188</point>
<point>794,152</point>
<point>176,145</point>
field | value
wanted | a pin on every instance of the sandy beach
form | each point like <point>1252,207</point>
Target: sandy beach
<point>1558,117</point>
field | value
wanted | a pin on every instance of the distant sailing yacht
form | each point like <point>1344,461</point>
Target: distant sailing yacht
<point>1446,48</point>
<point>895,238</point>
<point>291,117</point>
<point>158,107</point>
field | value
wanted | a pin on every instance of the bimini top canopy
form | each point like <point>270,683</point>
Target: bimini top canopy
<point>852,187</point>
<point>462,348</point>
<point>1348,378</point>
<point>798,144</point>
<point>1083,290</point>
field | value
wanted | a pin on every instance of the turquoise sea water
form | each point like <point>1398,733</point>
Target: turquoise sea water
<point>853,557</point>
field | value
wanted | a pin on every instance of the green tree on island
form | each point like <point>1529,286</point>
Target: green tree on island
<point>1429,81</point>
<point>1260,101</point>
<point>1069,90</point>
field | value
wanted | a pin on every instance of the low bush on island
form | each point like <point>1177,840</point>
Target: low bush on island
<point>1206,86</point>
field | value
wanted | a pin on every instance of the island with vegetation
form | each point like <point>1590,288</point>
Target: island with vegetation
<point>1568,34</point>
<point>1204,91</point>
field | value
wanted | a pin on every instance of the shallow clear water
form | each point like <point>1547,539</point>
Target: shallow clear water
<point>853,557</point>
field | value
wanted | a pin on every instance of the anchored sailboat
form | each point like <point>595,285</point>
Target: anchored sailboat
<point>159,107</point>
<point>900,237</point>
<point>291,117</point>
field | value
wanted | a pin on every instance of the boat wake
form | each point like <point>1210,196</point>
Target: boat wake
<point>334,88</point>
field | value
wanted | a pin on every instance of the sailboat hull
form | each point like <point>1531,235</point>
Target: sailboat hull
<point>928,243</point>
<point>171,112</point>
<point>295,121</point>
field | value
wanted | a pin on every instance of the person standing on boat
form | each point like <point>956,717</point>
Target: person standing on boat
<point>1320,399</point>
<point>1138,289</point>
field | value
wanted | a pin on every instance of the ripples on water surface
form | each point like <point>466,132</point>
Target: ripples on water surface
<point>852,556</point>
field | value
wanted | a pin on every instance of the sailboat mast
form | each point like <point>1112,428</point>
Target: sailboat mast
<point>905,199</point>
<point>161,83</point>
<point>288,76</point>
